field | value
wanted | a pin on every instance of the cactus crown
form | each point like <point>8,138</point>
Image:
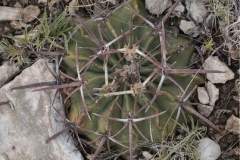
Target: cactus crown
<point>129,89</point>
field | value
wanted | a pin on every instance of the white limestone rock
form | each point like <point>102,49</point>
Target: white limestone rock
<point>188,27</point>
<point>208,149</point>
<point>213,63</point>
<point>42,1</point>
<point>10,13</point>
<point>197,10</point>
<point>213,93</point>
<point>147,155</point>
<point>157,6</point>
<point>7,70</point>
<point>3,156</point>
<point>204,110</point>
<point>202,95</point>
<point>24,131</point>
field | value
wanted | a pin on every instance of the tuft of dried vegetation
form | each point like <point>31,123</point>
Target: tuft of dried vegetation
<point>227,19</point>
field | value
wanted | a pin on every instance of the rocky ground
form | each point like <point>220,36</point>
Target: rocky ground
<point>213,26</point>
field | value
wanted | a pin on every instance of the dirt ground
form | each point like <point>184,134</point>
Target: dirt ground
<point>225,107</point>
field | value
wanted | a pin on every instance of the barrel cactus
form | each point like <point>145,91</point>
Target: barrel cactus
<point>128,91</point>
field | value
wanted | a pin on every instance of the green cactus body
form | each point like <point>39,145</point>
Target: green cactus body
<point>127,71</point>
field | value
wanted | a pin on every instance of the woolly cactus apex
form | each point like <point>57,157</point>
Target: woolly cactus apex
<point>128,92</point>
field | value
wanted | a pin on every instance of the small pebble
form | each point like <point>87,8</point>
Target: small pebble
<point>147,155</point>
<point>213,63</point>
<point>202,95</point>
<point>188,27</point>
<point>204,110</point>
<point>233,125</point>
<point>196,9</point>
<point>157,6</point>
<point>213,93</point>
<point>208,149</point>
<point>16,25</point>
<point>30,13</point>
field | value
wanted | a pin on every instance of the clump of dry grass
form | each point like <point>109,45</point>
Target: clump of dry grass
<point>227,16</point>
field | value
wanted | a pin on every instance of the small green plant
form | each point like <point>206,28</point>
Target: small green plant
<point>48,32</point>
<point>182,147</point>
<point>47,37</point>
<point>15,54</point>
<point>219,9</point>
<point>208,45</point>
<point>187,146</point>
